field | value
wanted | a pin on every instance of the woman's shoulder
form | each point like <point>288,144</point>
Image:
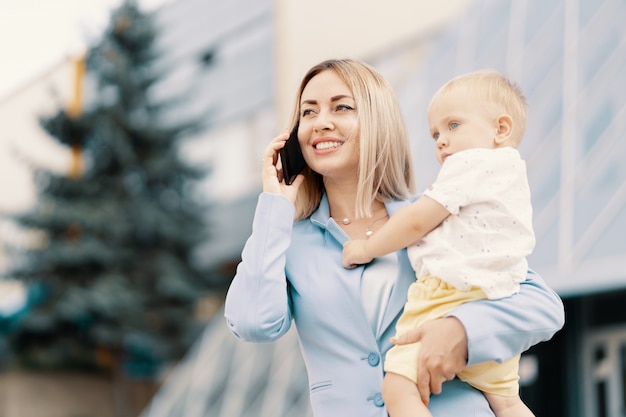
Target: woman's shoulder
<point>394,205</point>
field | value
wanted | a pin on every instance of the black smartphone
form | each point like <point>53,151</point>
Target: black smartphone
<point>291,157</point>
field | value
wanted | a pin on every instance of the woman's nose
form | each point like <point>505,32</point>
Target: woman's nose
<point>323,121</point>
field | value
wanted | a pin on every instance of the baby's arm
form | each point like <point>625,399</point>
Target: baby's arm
<point>405,227</point>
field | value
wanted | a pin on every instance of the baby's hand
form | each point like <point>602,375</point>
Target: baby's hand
<point>354,253</point>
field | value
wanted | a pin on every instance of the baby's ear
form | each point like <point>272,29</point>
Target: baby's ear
<point>504,124</point>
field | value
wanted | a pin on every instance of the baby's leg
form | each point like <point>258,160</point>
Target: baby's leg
<point>402,397</point>
<point>508,406</point>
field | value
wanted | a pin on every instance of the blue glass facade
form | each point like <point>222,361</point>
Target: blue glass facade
<point>569,57</point>
<point>220,60</point>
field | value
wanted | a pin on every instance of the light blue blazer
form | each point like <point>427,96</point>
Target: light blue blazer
<point>292,272</point>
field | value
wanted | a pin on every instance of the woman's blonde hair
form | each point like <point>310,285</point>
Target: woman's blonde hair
<point>493,88</point>
<point>385,169</point>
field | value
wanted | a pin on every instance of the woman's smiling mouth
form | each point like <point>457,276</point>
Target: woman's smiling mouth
<point>324,145</point>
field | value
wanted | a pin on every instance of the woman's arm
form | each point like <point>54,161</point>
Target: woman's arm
<point>257,305</point>
<point>485,330</point>
<point>500,329</point>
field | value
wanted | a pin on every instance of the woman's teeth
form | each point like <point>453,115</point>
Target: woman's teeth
<point>327,145</point>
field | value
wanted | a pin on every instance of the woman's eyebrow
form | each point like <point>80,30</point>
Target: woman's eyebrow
<point>340,97</point>
<point>332,99</point>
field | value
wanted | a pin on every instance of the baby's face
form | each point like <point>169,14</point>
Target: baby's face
<point>458,121</point>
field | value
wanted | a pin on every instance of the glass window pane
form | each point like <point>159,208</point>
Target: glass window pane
<point>601,399</point>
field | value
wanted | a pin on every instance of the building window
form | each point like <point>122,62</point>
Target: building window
<point>605,372</point>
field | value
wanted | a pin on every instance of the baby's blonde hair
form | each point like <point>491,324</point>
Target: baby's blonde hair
<point>491,87</point>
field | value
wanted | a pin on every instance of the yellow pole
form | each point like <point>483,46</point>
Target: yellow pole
<point>74,109</point>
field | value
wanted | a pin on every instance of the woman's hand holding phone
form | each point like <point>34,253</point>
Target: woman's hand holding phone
<point>272,176</point>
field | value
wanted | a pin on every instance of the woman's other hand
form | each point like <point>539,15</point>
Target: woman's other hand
<point>272,173</point>
<point>442,355</point>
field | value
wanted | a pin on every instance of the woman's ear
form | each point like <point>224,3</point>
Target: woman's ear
<point>504,124</point>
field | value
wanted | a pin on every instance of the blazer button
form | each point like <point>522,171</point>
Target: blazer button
<point>378,400</point>
<point>373,359</point>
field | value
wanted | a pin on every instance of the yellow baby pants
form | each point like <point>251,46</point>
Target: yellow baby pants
<point>431,298</point>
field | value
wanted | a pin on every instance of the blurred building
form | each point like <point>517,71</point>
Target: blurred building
<point>239,63</point>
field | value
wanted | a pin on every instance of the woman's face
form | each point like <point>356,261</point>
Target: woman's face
<point>329,128</point>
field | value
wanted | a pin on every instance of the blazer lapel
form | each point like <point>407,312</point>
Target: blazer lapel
<point>397,299</point>
<point>405,278</point>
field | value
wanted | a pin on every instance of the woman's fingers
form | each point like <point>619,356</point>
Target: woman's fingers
<point>272,173</point>
<point>442,353</point>
<point>270,155</point>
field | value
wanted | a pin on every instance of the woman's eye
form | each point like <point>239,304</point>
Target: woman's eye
<point>454,125</point>
<point>306,112</point>
<point>344,107</point>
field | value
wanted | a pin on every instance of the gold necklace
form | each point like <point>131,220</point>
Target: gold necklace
<point>368,229</point>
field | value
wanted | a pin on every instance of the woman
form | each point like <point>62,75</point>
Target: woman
<point>359,173</point>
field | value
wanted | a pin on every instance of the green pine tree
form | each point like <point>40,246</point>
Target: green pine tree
<point>115,265</point>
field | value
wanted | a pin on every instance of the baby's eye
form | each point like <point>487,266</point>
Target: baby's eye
<point>453,125</point>
<point>435,135</point>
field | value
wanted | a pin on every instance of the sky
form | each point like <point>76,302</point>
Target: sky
<point>37,34</point>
